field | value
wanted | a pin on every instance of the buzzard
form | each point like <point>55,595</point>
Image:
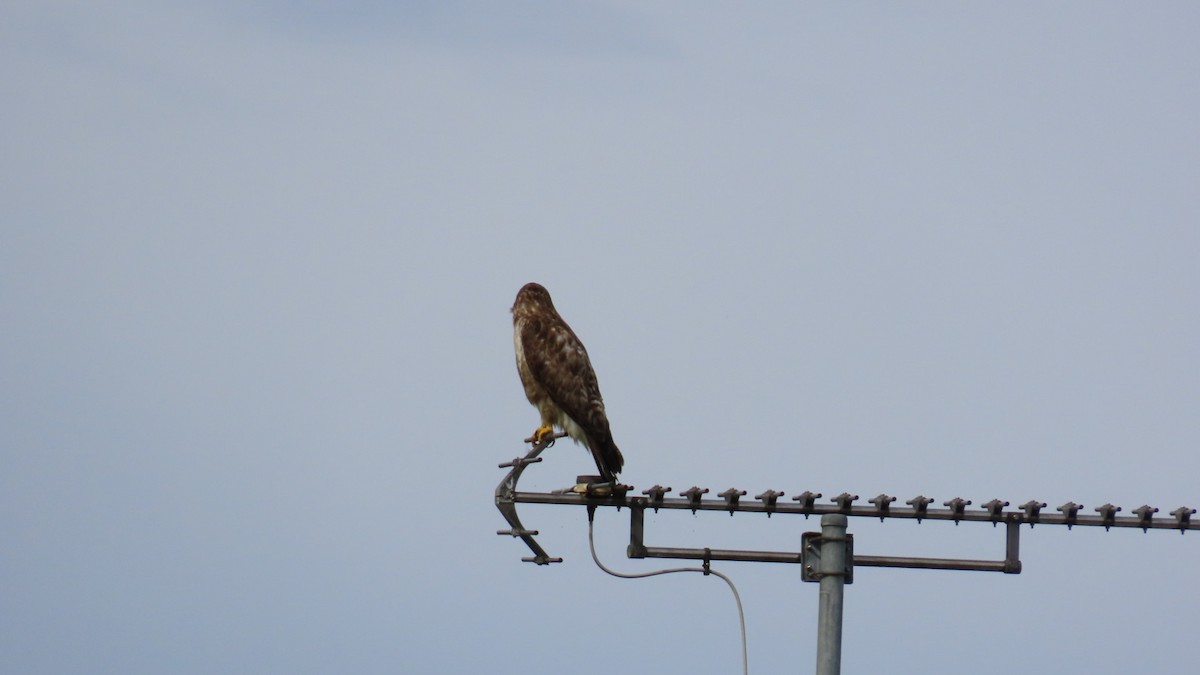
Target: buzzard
<point>559,380</point>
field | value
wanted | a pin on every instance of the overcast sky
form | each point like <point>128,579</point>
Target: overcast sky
<point>256,371</point>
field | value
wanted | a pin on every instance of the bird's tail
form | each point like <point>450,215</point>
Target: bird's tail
<point>609,461</point>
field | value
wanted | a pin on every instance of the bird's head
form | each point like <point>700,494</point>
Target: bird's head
<point>532,297</point>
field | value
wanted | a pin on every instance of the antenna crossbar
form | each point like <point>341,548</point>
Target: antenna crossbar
<point>985,516</point>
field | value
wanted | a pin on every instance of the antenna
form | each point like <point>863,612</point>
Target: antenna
<point>826,557</point>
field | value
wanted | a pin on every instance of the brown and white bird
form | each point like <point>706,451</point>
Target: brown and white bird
<point>559,380</point>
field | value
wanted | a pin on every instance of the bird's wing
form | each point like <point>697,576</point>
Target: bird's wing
<point>559,362</point>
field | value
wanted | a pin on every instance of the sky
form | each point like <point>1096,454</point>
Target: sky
<point>256,370</point>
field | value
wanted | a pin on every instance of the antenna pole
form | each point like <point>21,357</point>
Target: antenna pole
<point>832,570</point>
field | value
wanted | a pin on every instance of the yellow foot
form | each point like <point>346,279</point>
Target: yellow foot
<point>542,433</point>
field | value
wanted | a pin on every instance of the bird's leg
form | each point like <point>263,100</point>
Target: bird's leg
<point>541,433</point>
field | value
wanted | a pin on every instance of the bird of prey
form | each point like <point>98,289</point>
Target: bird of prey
<point>559,380</point>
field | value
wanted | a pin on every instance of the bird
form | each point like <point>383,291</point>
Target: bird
<point>559,380</point>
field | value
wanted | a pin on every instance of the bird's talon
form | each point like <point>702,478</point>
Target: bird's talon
<point>542,433</point>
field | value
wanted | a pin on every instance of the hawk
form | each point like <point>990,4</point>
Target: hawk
<point>559,380</point>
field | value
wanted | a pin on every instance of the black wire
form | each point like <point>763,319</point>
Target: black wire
<point>706,570</point>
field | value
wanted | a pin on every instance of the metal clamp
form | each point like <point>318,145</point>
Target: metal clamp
<point>920,505</point>
<point>807,501</point>
<point>810,558</point>
<point>995,508</point>
<point>1108,514</point>
<point>769,499</point>
<point>1144,513</point>
<point>1070,512</point>
<point>731,497</point>
<point>1033,511</point>
<point>844,501</point>
<point>883,504</point>
<point>656,494</point>
<point>958,506</point>
<point>693,495</point>
<point>1183,516</point>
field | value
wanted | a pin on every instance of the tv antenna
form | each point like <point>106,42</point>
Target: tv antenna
<point>826,557</point>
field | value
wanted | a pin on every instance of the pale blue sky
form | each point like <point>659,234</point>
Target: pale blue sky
<point>256,368</point>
